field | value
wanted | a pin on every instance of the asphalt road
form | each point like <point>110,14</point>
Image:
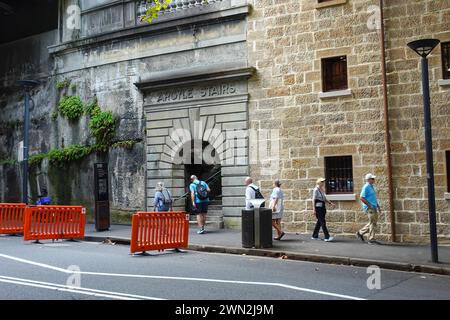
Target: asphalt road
<point>87,270</point>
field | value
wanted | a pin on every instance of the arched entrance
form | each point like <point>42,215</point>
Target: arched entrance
<point>205,164</point>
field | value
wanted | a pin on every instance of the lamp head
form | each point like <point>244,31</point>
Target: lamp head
<point>423,47</point>
<point>28,84</point>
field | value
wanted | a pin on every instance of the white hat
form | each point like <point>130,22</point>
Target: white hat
<point>320,180</point>
<point>369,176</point>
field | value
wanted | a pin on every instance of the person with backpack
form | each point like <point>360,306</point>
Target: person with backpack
<point>163,198</point>
<point>199,196</point>
<point>251,192</point>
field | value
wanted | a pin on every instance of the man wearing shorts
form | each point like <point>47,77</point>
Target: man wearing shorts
<point>199,206</point>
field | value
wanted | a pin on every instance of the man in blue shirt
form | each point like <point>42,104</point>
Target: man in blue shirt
<point>199,196</point>
<point>371,207</point>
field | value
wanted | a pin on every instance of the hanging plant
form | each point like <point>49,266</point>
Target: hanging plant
<point>71,107</point>
<point>103,127</point>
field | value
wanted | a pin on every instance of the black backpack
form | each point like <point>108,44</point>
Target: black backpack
<point>202,191</point>
<point>258,195</point>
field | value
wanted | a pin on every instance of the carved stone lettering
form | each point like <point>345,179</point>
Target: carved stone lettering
<point>175,95</point>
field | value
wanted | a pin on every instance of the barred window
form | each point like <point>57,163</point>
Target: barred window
<point>445,60</point>
<point>334,73</point>
<point>339,174</point>
<point>447,158</point>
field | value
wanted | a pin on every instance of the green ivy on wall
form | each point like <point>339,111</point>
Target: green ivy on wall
<point>71,107</point>
<point>103,128</point>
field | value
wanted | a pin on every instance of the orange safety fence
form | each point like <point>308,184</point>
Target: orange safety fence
<point>159,231</point>
<point>11,217</point>
<point>54,222</point>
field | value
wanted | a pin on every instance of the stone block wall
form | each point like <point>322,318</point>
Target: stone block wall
<point>286,42</point>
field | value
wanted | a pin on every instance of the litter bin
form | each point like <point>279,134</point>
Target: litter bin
<point>257,228</point>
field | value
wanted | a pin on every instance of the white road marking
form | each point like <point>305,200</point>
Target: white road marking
<point>80,290</point>
<point>124,275</point>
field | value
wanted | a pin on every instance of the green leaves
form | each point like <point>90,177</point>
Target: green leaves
<point>71,107</point>
<point>103,127</point>
<point>154,9</point>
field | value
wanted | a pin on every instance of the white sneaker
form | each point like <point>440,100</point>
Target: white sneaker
<point>330,239</point>
<point>312,238</point>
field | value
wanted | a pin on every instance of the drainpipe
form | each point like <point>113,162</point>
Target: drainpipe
<point>387,137</point>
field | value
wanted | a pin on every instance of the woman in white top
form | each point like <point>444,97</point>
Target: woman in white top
<point>319,200</point>
<point>277,206</point>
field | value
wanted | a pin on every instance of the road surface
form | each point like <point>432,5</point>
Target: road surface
<point>89,270</point>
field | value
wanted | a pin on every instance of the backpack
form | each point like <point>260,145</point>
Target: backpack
<point>202,191</point>
<point>167,200</point>
<point>258,195</point>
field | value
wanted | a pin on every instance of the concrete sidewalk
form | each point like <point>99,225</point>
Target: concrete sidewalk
<point>405,257</point>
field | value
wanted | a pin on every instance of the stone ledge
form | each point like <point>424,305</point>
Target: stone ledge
<point>444,82</point>
<point>447,195</point>
<point>335,94</point>
<point>342,197</point>
<point>192,75</point>
<point>330,3</point>
<point>157,27</point>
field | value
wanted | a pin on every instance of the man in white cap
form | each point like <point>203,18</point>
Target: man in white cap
<point>371,208</point>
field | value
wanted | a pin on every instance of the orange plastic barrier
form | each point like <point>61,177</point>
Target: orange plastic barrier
<point>159,231</point>
<point>54,222</point>
<point>11,217</point>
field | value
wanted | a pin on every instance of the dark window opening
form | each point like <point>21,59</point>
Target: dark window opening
<point>339,174</point>
<point>445,46</point>
<point>334,73</point>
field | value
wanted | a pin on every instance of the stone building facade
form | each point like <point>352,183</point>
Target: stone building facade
<point>207,69</point>
<point>287,42</point>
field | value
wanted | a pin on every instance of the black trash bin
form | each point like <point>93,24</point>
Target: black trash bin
<point>257,228</point>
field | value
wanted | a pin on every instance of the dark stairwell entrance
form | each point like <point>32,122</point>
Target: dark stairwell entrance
<point>211,174</point>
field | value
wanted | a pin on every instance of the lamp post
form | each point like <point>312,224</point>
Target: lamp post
<point>423,48</point>
<point>27,85</point>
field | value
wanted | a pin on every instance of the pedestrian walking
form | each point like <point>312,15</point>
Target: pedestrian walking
<point>163,198</point>
<point>200,200</point>
<point>319,200</point>
<point>371,208</point>
<point>277,206</point>
<point>251,192</point>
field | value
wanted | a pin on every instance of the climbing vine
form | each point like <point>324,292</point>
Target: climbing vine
<point>102,125</point>
<point>103,128</point>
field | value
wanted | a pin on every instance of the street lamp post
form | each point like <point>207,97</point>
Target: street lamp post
<point>423,48</point>
<point>27,85</point>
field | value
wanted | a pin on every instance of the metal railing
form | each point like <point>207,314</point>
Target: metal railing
<point>207,180</point>
<point>175,5</point>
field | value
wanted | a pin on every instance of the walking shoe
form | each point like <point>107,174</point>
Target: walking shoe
<point>201,231</point>
<point>279,238</point>
<point>330,239</point>
<point>313,238</point>
<point>373,242</point>
<point>360,236</point>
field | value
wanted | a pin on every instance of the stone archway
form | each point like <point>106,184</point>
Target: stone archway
<point>202,112</point>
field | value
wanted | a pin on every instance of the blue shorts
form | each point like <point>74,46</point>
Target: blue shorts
<point>200,208</point>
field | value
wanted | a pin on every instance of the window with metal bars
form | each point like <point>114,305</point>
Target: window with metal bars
<point>339,174</point>
<point>447,160</point>
<point>334,73</point>
<point>445,47</point>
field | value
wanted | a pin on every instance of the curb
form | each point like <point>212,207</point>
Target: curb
<point>309,257</point>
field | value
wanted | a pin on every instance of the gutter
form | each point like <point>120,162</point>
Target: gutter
<point>387,137</point>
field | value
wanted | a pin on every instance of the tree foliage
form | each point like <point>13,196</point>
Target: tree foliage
<point>154,9</point>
